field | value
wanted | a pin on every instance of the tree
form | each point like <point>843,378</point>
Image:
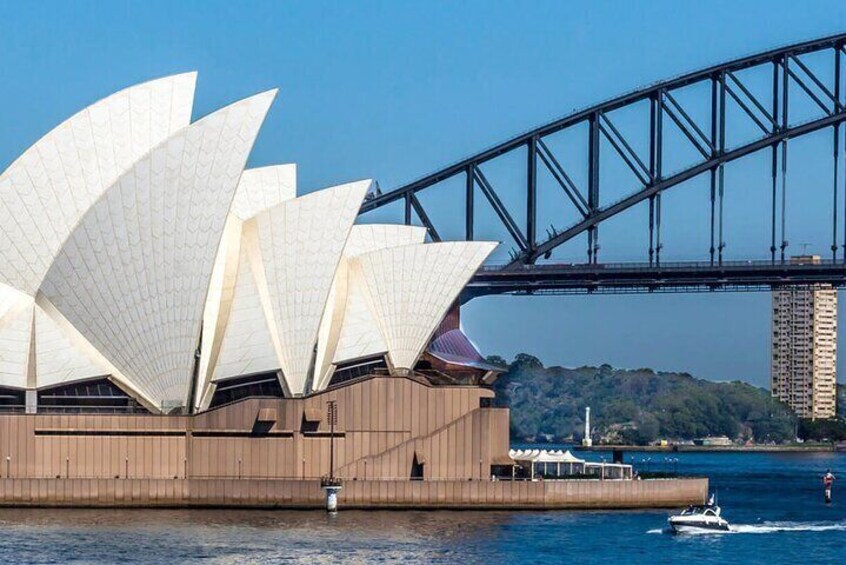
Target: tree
<point>641,405</point>
<point>497,361</point>
<point>526,361</point>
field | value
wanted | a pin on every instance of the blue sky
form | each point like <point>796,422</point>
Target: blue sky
<point>393,90</point>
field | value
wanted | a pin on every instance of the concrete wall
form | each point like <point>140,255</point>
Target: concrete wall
<point>383,422</point>
<point>266,452</point>
<point>266,493</point>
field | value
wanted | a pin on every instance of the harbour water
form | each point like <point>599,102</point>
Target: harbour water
<point>774,500</point>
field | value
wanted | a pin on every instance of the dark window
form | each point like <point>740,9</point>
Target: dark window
<point>423,365</point>
<point>12,400</point>
<point>353,370</point>
<point>309,426</point>
<point>251,386</point>
<point>100,396</point>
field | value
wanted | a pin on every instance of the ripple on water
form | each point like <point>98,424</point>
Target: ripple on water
<point>774,500</point>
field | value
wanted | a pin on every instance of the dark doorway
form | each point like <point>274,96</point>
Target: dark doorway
<point>416,469</point>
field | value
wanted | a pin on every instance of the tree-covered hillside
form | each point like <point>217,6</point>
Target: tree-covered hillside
<point>635,406</point>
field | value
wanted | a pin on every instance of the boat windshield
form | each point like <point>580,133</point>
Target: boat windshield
<point>706,510</point>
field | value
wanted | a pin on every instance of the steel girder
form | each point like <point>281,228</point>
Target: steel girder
<point>770,116</point>
<point>634,278</point>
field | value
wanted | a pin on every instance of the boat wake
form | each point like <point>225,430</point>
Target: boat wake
<point>775,527</point>
<point>767,528</point>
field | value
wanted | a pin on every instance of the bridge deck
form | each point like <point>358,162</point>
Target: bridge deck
<point>642,277</point>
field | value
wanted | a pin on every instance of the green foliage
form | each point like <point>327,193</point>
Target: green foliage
<point>822,430</point>
<point>635,406</point>
<point>497,361</point>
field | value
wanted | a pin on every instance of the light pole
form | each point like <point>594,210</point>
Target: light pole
<point>330,484</point>
<point>332,416</point>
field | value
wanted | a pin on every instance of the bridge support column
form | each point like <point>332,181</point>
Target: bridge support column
<point>532,193</point>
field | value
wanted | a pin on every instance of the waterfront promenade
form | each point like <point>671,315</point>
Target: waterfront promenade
<point>361,494</point>
<point>398,442</point>
<point>788,448</point>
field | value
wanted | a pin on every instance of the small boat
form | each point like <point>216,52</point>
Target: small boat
<point>697,519</point>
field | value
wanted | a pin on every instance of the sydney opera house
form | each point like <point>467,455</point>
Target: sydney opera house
<point>174,327</point>
<point>167,313</point>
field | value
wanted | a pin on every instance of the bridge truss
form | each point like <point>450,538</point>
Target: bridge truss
<point>772,113</point>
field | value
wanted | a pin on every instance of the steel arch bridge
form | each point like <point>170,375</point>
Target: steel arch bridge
<point>789,77</point>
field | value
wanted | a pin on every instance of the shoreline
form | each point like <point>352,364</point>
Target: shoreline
<point>385,494</point>
<point>817,448</point>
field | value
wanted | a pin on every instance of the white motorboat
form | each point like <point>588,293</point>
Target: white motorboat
<point>699,519</point>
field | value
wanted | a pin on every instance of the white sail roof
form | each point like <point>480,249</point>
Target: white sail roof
<point>133,276</point>
<point>11,298</point>
<point>129,237</point>
<point>15,341</point>
<point>216,312</point>
<point>247,346</point>
<point>37,350</point>
<point>348,330</point>
<point>410,289</point>
<point>258,190</point>
<point>263,188</point>
<point>57,358</point>
<point>365,238</point>
<point>301,242</point>
<point>359,336</point>
<point>79,359</point>
<point>46,191</point>
<point>330,326</point>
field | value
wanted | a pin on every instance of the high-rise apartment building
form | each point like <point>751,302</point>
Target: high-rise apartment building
<point>804,348</point>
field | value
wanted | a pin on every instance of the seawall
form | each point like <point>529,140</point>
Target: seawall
<point>792,448</point>
<point>363,494</point>
<point>399,442</point>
